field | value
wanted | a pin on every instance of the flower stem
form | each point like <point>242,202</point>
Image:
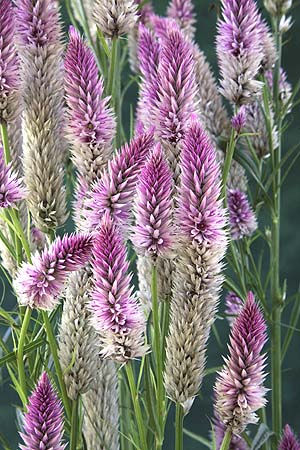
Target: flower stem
<point>114,86</point>
<point>20,352</point>
<point>157,350</point>
<point>53,349</point>
<point>179,415</point>
<point>74,425</point>
<point>226,440</point>
<point>136,406</point>
<point>228,160</point>
<point>5,142</point>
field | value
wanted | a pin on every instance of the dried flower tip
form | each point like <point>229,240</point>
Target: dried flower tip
<point>39,284</point>
<point>115,17</point>
<point>241,215</point>
<point>153,234</point>
<point>239,387</point>
<point>278,8</point>
<point>11,189</point>
<point>43,421</point>
<point>116,315</point>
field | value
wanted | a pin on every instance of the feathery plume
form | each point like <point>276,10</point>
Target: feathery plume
<point>199,209</point>
<point>41,52</point>
<point>101,409</point>
<point>153,233</point>
<point>241,216</point>
<point>9,64</point>
<point>197,277</point>
<point>289,440</point>
<point>91,122</point>
<point>234,305</point>
<point>238,121</point>
<point>11,189</point>
<point>116,315</point>
<point>115,190</point>
<point>43,421</point>
<point>239,50</point>
<point>39,284</point>
<point>182,11</point>
<point>115,17</point>
<point>239,387</point>
<point>77,352</point>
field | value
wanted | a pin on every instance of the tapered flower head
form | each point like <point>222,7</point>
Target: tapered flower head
<point>239,387</point>
<point>115,17</point>
<point>11,189</point>
<point>241,216</point>
<point>239,120</point>
<point>43,421</point>
<point>289,440</point>
<point>153,233</point>
<point>115,190</point>
<point>234,306</point>
<point>91,122</point>
<point>183,12</point>
<point>39,284</point>
<point>116,315</point>
<point>200,214</point>
<point>239,50</point>
<point>9,64</point>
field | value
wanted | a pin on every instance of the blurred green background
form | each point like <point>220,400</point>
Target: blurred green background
<point>198,420</point>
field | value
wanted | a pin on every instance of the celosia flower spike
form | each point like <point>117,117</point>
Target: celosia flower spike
<point>9,64</point>
<point>153,233</point>
<point>241,216</point>
<point>239,50</point>
<point>115,189</point>
<point>91,123</point>
<point>183,12</point>
<point>200,215</point>
<point>236,443</point>
<point>115,17</point>
<point>239,388</point>
<point>43,421</point>
<point>39,284</point>
<point>234,306</point>
<point>116,315</point>
<point>11,189</point>
<point>289,440</point>
<point>239,120</point>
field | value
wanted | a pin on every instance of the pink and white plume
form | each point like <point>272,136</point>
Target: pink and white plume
<point>39,284</point>
<point>11,189</point>
<point>289,440</point>
<point>153,233</point>
<point>241,216</point>
<point>234,306</point>
<point>43,421</point>
<point>116,314</point>
<point>239,388</point>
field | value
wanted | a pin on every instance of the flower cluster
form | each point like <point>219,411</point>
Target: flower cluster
<point>11,189</point>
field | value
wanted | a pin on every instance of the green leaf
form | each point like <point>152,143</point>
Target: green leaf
<point>198,438</point>
<point>10,357</point>
<point>263,435</point>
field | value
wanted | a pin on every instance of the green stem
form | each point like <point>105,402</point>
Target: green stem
<point>21,235</point>
<point>113,65</point>
<point>20,352</point>
<point>53,349</point>
<point>114,86</point>
<point>74,425</point>
<point>228,160</point>
<point>226,440</point>
<point>157,349</point>
<point>5,142</point>
<point>136,406</point>
<point>179,416</point>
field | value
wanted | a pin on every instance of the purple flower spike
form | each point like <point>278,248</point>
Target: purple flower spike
<point>116,315</point>
<point>153,233</point>
<point>289,440</point>
<point>9,65</point>
<point>200,214</point>
<point>241,216</point>
<point>91,120</point>
<point>43,421</point>
<point>115,190</point>
<point>11,189</point>
<point>239,387</point>
<point>239,50</point>
<point>176,87</point>
<point>239,120</point>
<point>183,12</point>
<point>234,305</point>
<point>39,284</point>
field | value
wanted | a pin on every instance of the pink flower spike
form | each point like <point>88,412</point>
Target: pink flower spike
<point>289,440</point>
<point>39,284</point>
<point>234,306</point>
<point>11,189</point>
<point>153,232</point>
<point>241,215</point>
<point>116,315</point>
